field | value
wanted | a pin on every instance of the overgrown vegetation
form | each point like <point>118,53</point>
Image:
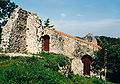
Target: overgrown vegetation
<point>47,24</point>
<point>39,70</point>
<point>0,37</point>
<point>110,56</point>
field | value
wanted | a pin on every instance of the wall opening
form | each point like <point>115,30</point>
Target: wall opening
<point>46,42</point>
<point>86,60</point>
<point>90,39</point>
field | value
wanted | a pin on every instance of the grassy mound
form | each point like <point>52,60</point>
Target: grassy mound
<point>39,70</point>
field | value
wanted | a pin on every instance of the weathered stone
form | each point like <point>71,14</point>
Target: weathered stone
<point>24,33</point>
<point>69,46</point>
<point>90,38</point>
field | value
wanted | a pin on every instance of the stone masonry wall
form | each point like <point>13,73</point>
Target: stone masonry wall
<point>75,49</point>
<point>33,34</point>
<point>93,38</point>
<point>22,32</point>
<point>18,35</point>
<point>7,30</point>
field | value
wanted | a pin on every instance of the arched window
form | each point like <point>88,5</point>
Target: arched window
<point>89,39</point>
<point>86,60</point>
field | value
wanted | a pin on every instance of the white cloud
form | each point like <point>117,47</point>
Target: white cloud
<point>63,15</point>
<point>107,27</point>
<point>80,15</point>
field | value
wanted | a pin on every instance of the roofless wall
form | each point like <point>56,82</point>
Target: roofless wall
<point>70,46</point>
<point>24,33</point>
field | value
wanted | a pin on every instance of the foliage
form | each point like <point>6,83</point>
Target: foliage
<point>110,53</point>
<point>39,70</point>
<point>98,62</point>
<point>0,38</point>
<point>84,80</point>
<point>47,23</point>
<point>6,8</point>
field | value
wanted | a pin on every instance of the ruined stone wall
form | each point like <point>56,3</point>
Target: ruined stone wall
<point>17,39</point>
<point>93,40</point>
<point>64,44</point>
<point>33,34</point>
<point>71,47</point>
<point>22,32</point>
<point>6,32</point>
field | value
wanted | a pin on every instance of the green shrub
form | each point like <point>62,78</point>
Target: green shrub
<point>3,57</point>
<point>0,37</point>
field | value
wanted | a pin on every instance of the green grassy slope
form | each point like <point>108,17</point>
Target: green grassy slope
<point>34,70</point>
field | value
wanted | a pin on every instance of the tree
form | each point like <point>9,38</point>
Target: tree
<point>6,9</point>
<point>113,63</point>
<point>47,23</point>
<point>99,61</point>
<point>109,57</point>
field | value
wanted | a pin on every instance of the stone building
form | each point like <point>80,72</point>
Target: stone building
<point>24,33</point>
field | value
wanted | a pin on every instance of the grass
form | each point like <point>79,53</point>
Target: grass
<point>35,70</point>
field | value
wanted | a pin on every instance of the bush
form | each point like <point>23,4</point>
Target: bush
<point>0,38</point>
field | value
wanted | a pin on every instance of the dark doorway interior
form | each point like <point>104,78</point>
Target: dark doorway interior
<point>86,63</point>
<point>46,43</point>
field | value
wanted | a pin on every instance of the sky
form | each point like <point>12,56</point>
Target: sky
<point>78,17</point>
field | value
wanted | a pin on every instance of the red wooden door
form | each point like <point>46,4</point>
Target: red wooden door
<point>86,63</point>
<point>46,43</point>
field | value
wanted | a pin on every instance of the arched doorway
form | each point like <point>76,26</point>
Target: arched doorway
<point>46,43</point>
<point>86,60</point>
